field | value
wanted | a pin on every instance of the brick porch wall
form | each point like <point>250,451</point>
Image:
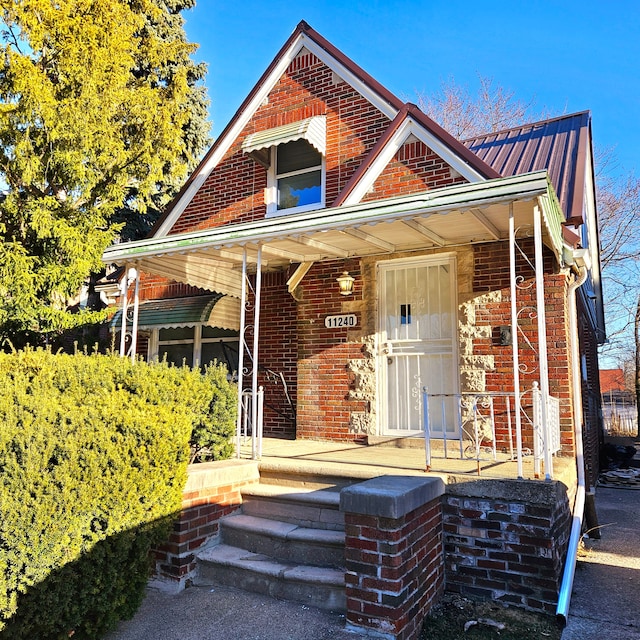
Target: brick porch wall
<point>506,541</point>
<point>394,554</point>
<point>213,490</point>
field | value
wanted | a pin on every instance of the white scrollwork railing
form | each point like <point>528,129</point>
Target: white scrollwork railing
<point>481,424</point>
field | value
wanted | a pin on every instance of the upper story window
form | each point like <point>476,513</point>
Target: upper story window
<point>297,178</point>
<point>293,155</point>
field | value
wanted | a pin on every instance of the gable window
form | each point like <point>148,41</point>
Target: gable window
<point>293,155</point>
<point>298,176</point>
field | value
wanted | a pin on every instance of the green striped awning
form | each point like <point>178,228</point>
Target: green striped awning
<point>215,310</point>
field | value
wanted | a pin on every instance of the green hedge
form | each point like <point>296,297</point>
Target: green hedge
<point>93,459</point>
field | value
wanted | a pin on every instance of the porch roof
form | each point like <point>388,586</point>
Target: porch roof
<point>455,215</point>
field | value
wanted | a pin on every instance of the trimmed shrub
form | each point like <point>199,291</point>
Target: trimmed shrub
<point>93,458</point>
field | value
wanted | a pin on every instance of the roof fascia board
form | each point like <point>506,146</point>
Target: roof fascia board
<point>469,195</point>
<point>593,236</point>
<point>256,98</point>
<point>407,128</point>
<point>351,78</point>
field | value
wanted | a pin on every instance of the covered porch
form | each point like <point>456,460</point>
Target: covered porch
<point>312,459</point>
<point>521,212</point>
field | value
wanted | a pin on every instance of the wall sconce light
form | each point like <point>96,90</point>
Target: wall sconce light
<point>345,282</point>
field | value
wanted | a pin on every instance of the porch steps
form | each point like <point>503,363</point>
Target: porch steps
<point>288,543</point>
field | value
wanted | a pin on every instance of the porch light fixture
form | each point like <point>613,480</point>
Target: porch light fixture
<point>345,282</point>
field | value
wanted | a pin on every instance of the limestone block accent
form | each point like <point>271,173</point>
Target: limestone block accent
<point>473,325</point>
<point>364,388</point>
<point>472,380</point>
<point>362,422</point>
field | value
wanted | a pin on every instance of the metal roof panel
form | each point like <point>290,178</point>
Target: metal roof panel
<point>557,145</point>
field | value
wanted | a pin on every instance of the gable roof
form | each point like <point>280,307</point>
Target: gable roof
<point>559,145</point>
<point>304,37</point>
<point>411,121</point>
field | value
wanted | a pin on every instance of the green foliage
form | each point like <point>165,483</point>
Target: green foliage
<point>93,458</point>
<point>100,109</point>
<point>211,435</point>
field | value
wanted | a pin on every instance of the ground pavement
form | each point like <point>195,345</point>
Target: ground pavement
<point>605,603</point>
<point>224,613</point>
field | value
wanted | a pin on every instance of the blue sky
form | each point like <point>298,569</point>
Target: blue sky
<point>566,56</point>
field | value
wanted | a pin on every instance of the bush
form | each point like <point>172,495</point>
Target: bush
<point>93,458</point>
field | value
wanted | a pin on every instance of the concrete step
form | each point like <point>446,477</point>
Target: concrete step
<point>320,587</point>
<point>284,541</point>
<point>312,508</point>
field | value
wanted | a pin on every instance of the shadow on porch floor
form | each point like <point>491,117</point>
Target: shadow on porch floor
<point>397,457</point>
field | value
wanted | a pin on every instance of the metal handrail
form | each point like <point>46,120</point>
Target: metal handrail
<point>475,417</point>
<point>245,427</point>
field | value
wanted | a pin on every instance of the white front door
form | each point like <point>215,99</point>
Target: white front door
<point>417,329</point>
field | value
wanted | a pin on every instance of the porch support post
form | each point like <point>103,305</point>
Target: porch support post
<point>241,348</point>
<point>136,307</point>
<point>124,287</point>
<point>514,339</point>
<point>542,341</point>
<point>256,446</point>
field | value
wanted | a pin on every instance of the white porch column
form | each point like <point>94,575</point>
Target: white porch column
<point>136,307</point>
<point>256,446</point>
<point>542,340</point>
<point>124,288</point>
<point>514,339</point>
<point>241,349</point>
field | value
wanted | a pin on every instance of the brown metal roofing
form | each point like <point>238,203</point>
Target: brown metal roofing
<point>559,145</point>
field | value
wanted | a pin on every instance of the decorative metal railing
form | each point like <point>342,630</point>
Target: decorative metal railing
<point>250,424</point>
<point>482,426</point>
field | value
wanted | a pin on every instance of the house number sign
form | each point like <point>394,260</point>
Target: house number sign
<point>340,322</point>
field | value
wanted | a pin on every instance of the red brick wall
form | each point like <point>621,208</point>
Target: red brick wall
<point>394,570</point>
<point>593,432</point>
<point>413,169</point>
<point>156,287</point>
<point>213,491</point>
<point>234,192</point>
<point>508,548</point>
<point>278,354</point>
<point>323,380</point>
<point>492,274</point>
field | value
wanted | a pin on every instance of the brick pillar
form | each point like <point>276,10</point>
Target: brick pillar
<point>394,553</point>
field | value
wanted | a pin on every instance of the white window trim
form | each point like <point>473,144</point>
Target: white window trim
<point>271,192</point>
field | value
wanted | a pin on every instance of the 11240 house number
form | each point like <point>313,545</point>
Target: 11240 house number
<point>340,322</point>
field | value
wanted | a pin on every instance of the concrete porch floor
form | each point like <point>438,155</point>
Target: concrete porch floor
<point>401,456</point>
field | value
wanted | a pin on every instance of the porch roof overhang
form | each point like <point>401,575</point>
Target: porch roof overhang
<point>451,216</point>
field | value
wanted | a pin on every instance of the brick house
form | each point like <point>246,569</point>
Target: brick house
<point>377,276</point>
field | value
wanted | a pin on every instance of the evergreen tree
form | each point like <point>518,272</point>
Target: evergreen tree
<point>99,107</point>
<point>168,26</point>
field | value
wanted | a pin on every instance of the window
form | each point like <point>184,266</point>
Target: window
<point>196,346</point>
<point>294,156</point>
<point>298,176</point>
